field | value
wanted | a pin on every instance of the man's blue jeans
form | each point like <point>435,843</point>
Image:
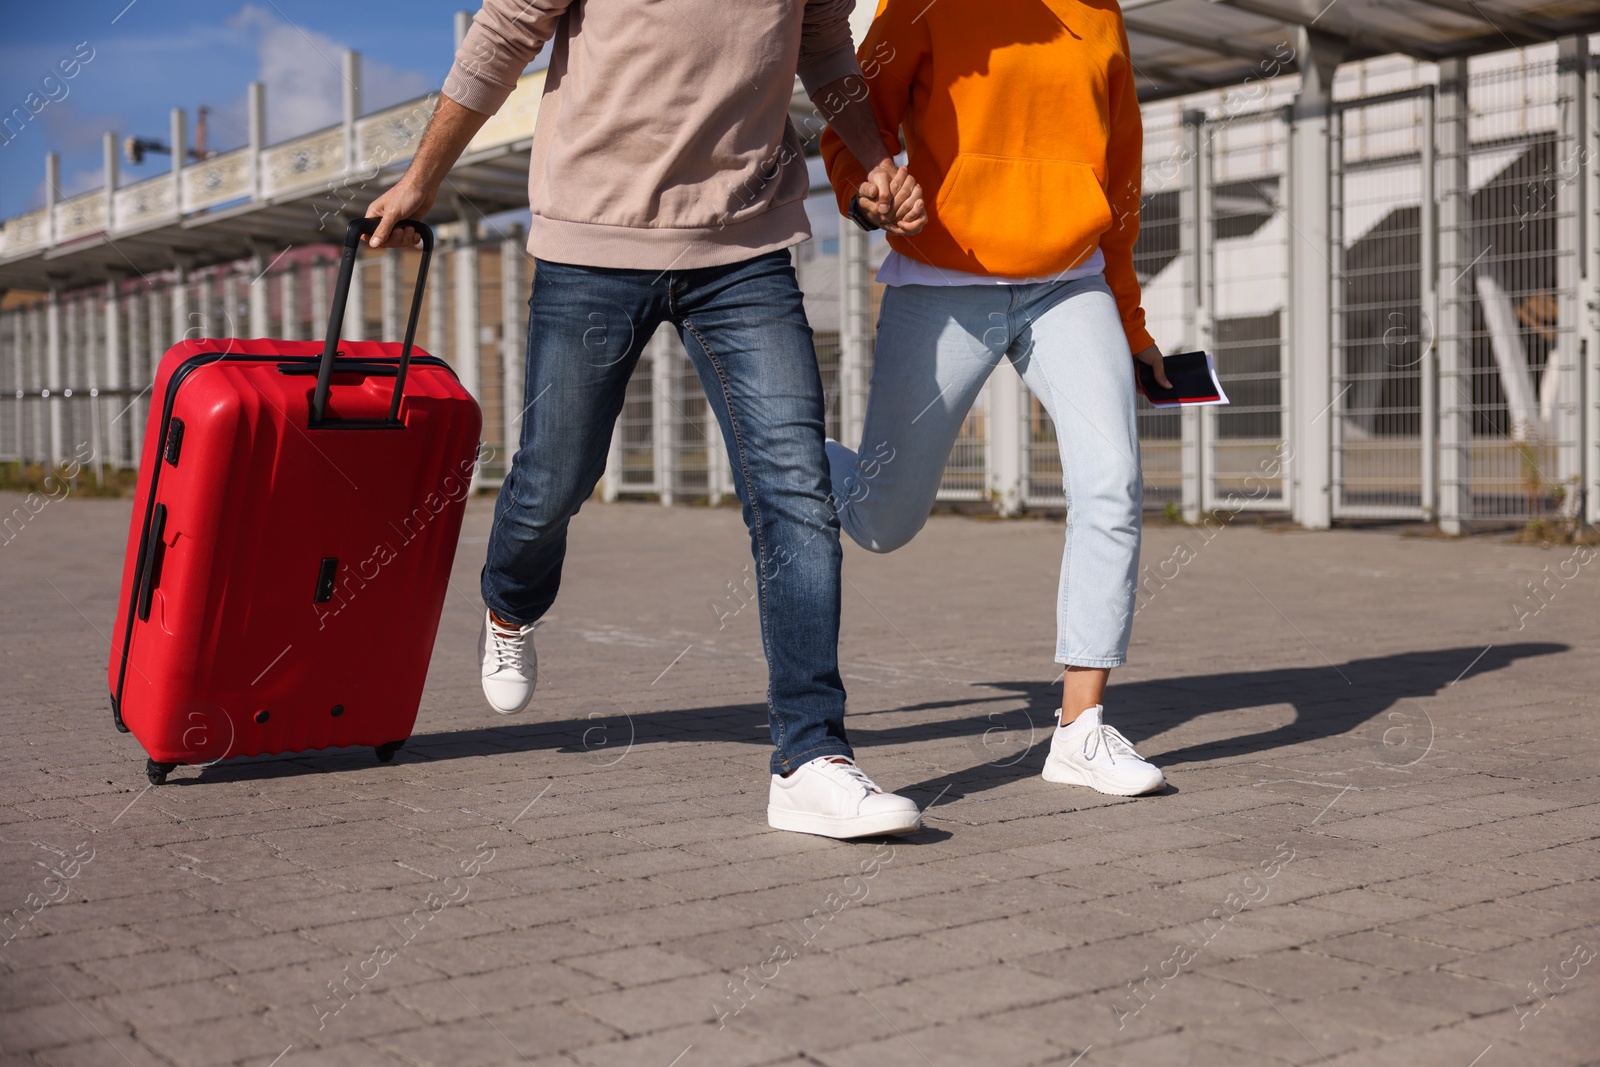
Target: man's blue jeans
<point>746,333</point>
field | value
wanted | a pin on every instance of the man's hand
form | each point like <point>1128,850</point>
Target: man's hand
<point>891,199</point>
<point>449,130</point>
<point>1153,358</point>
<point>405,201</point>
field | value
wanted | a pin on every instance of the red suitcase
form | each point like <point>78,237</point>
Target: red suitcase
<point>290,548</point>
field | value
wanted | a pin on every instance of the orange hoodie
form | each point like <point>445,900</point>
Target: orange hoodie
<point>1021,123</point>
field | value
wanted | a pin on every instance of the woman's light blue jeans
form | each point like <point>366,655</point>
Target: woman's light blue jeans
<point>937,345</point>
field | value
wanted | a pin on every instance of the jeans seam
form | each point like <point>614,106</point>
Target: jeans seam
<point>755,512</point>
<point>1066,554</point>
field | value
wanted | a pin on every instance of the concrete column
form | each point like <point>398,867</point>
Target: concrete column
<point>1004,456</point>
<point>52,372</point>
<point>1310,347</point>
<point>109,169</point>
<point>463,22</point>
<point>179,138</point>
<point>664,417</point>
<point>1566,359</point>
<point>1457,251</point>
<point>52,193</point>
<point>854,324</point>
<point>513,340</point>
<point>436,339</point>
<point>352,106</point>
<point>256,105</point>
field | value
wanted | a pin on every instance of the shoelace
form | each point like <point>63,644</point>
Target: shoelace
<point>1115,744</point>
<point>506,646</point>
<point>852,773</point>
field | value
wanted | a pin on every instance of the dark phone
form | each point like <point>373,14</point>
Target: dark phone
<point>1191,378</point>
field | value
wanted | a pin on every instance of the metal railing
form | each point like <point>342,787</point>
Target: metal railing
<point>1464,324</point>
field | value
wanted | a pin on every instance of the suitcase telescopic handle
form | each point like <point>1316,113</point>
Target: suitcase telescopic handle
<point>353,234</point>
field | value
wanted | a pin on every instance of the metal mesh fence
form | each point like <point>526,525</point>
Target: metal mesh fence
<point>1521,351</point>
<point>1381,329</point>
<point>1458,378</point>
<point>1245,238</point>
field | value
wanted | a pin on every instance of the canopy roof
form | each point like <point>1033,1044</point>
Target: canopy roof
<point>1180,46</point>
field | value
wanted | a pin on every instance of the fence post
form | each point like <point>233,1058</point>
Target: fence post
<point>389,311</point>
<point>513,341</point>
<point>1311,285</point>
<point>464,290</point>
<point>663,408</point>
<point>1196,323</point>
<point>141,371</point>
<point>1590,346</point>
<point>52,370</point>
<point>1455,298</point>
<point>113,378</point>
<point>854,293</point>
<point>1193,422</point>
<point>1003,458</point>
<point>1428,296</point>
<point>289,302</point>
<point>1567,358</point>
<point>260,295</point>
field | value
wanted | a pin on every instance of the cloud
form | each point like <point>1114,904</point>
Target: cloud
<point>304,74</point>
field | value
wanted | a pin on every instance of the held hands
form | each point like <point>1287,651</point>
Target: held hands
<point>1152,357</point>
<point>407,200</point>
<point>891,199</point>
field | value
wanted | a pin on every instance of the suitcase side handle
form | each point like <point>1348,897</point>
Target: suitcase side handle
<point>353,233</point>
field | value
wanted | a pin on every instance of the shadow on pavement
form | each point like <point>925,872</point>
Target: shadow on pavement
<point>1008,744</point>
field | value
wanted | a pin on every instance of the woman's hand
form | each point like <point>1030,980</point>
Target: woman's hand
<point>891,199</point>
<point>1152,358</point>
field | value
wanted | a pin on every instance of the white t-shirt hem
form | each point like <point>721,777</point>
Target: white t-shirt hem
<point>903,270</point>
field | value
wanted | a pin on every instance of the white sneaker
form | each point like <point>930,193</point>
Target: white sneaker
<point>832,797</point>
<point>508,664</point>
<point>1088,752</point>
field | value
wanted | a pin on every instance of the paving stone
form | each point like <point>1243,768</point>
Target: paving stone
<point>619,907</point>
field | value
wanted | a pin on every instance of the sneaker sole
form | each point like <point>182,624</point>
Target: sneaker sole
<point>884,825</point>
<point>1072,776</point>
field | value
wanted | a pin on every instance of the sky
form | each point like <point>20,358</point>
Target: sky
<point>147,57</point>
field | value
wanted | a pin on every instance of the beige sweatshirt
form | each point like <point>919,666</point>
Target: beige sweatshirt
<point>663,139</point>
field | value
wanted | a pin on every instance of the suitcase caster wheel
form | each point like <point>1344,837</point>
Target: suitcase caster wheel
<point>385,752</point>
<point>157,772</point>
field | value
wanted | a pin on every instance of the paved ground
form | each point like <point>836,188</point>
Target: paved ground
<point>1381,847</point>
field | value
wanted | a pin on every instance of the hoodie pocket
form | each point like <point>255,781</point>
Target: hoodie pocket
<point>1022,218</point>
